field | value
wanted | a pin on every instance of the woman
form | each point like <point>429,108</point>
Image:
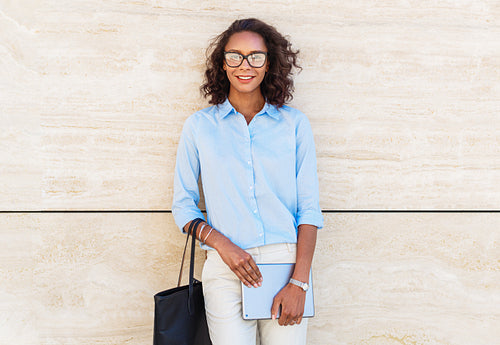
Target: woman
<point>257,162</point>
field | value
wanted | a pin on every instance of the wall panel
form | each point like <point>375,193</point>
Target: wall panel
<point>86,278</point>
<point>407,278</point>
<point>403,99</point>
<point>379,278</point>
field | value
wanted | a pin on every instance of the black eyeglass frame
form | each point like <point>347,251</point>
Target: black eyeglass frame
<point>245,57</point>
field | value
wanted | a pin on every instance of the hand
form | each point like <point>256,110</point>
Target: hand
<point>292,299</point>
<point>241,263</point>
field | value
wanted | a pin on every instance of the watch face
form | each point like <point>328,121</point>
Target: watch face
<point>305,286</point>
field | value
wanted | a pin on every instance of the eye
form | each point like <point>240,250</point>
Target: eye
<point>234,57</point>
<point>257,57</point>
<point>254,57</point>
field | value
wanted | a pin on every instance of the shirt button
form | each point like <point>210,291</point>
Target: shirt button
<point>251,187</point>
<point>255,211</point>
<point>249,162</point>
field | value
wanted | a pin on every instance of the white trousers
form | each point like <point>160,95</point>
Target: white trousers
<point>222,292</point>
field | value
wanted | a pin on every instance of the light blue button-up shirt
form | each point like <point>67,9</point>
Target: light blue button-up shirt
<point>259,180</point>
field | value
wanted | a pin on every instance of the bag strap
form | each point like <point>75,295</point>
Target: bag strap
<point>192,229</point>
<point>191,268</point>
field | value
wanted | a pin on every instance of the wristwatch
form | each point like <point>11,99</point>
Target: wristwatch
<point>303,286</point>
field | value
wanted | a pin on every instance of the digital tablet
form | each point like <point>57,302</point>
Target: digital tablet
<point>257,302</point>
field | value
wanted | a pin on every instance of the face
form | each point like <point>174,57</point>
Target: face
<point>245,79</point>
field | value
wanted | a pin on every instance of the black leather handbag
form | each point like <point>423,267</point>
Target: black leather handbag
<point>180,312</point>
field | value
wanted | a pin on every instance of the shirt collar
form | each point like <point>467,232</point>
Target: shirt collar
<point>227,108</point>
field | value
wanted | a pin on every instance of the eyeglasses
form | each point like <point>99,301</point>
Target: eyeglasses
<point>255,60</point>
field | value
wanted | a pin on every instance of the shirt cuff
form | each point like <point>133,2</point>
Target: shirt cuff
<point>182,218</point>
<point>310,217</point>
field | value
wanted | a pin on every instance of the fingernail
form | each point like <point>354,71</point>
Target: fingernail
<point>255,285</point>
<point>273,317</point>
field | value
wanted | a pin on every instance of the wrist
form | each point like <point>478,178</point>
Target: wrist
<point>202,228</point>
<point>218,241</point>
<point>296,288</point>
<point>304,286</point>
<point>301,275</point>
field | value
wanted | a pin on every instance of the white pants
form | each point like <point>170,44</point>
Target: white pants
<point>222,292</point>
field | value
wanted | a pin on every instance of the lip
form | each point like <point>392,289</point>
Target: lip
<point>248,78</point>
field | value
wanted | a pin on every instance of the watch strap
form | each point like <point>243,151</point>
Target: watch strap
<point>298,283</point>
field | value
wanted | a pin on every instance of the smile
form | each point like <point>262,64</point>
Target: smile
<point>244,78</point>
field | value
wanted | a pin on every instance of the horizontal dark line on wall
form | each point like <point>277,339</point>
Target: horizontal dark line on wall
<point>410,211</point>
<point>324,211</point>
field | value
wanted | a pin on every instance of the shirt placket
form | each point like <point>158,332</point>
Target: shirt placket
<point>251,179</point>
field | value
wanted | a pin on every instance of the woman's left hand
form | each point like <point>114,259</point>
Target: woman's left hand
<point>291,299</point>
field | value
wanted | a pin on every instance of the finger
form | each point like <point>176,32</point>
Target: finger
<point>275,308</point>
<point>251,271</point>
<point>252,276</point>
<point>242,278</point>
<point>291,319</point>
<point>244,266</point>
<point>299,320</point>
<point>285,318</point>
<point>255,268</point>
<point>243,271</point>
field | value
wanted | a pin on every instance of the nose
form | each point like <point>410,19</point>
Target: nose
<point>245,63</point>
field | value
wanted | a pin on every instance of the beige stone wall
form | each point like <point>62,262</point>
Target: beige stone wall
<point>404,100</point>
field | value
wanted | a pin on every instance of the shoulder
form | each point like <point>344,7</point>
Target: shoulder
<point>292,115</point>
<point>200,117</point>
<point>206,113</point>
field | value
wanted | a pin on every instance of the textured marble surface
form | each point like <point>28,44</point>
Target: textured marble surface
<point>85,278</point>
<point>403,98</point>
<point>379,278</point>
<point>408,279</point>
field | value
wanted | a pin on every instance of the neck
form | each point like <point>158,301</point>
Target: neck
<point>247,104</point>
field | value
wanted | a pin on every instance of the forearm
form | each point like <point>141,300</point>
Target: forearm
<point>238,260</point>
<point>306,243</point>
<point>209,235</point>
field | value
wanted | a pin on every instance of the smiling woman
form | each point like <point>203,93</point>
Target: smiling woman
<point>257,161</point>
<point>277,86</point>
<point>245,79</point>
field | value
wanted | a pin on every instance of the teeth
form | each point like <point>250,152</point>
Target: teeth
<point>245,78</point>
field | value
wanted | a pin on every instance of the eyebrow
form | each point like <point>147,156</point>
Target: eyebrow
<point>239,51</point>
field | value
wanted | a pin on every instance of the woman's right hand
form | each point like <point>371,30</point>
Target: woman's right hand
<point>240,262</point>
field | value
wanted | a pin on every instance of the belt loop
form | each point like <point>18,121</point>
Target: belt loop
<point>255,253</point>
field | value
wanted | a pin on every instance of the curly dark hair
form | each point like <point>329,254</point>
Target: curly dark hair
<point>277,86</point>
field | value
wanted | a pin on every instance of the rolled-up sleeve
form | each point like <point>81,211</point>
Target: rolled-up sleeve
<point>308,209</point>
<point>187,171</point>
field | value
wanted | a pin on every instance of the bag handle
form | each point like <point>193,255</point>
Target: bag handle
<point>192,229</point>
<point>191,267</point>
